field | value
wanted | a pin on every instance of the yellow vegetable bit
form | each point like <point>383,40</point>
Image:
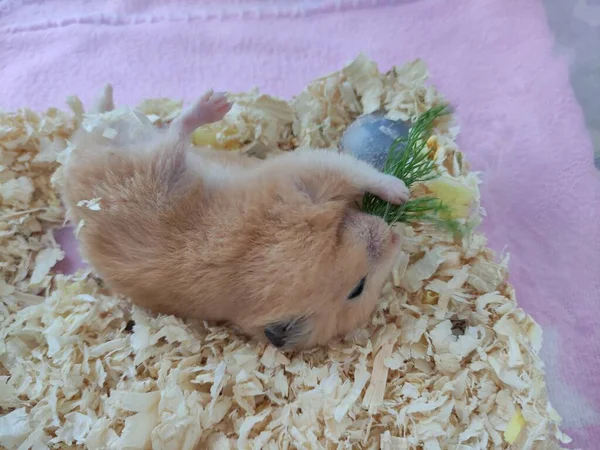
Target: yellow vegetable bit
<point>432,145</point>
<point>206,135</point>
<point>457,197</point>
<point>514,427</point>
<point>432,142</point>
<point>431,298</point>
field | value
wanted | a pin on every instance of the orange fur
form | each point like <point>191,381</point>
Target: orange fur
<point>274,247</point>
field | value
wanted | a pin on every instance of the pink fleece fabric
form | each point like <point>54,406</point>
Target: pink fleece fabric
<point>521,125</point>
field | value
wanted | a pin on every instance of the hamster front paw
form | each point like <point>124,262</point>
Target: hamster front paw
<point>391,189</point>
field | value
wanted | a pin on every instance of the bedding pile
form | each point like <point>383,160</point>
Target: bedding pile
<point>448,361</point>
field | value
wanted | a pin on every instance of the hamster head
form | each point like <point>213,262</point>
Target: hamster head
<point>314,271</point>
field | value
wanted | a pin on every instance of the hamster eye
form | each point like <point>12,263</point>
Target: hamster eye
<point>357,289</point>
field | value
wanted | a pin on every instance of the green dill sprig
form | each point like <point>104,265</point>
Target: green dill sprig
<point>408,159</point>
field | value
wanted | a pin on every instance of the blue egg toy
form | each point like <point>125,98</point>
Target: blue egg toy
<point>370,137</point>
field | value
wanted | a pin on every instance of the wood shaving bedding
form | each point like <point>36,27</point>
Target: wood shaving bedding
<point>449,361</point>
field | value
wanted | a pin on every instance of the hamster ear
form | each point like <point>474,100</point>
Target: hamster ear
<point>287,333</point>
<point>327,216</point>
<point>328,202</point>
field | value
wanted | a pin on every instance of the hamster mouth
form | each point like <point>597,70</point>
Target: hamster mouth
<point>389,243</point>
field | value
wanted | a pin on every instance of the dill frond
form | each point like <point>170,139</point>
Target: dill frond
<point>408,159</point>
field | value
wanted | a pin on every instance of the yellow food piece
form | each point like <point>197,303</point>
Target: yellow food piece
<point>204,136</point>
<point>432,145</point>
<point>431,298</point>
<point>207,135</point>
<point>456,196</point>
<point>432,142</point>
<point>514,427</point>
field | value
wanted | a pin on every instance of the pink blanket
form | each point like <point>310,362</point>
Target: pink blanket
<point>521,123</point>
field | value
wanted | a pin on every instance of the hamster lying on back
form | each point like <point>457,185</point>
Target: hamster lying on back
<point>277,247</point>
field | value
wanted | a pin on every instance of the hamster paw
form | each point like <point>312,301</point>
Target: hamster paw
<point>209,108</point>
<point>391,189</point>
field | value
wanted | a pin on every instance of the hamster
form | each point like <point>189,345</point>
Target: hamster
<point>278,248</point>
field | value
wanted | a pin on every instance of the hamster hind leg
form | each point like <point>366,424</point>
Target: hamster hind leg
<point>209,108</point>
<point>173,159</point>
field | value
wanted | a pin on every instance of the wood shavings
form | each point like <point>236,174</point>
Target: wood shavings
<point>449,360</point>
<point>485,275</point>
<point>256,124</point>
<point>423,269</point>
<point>44,262</point>
<point>361,378</point>
<point>93,204</point>
<point>17,192</point>
<point>160,111</point>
